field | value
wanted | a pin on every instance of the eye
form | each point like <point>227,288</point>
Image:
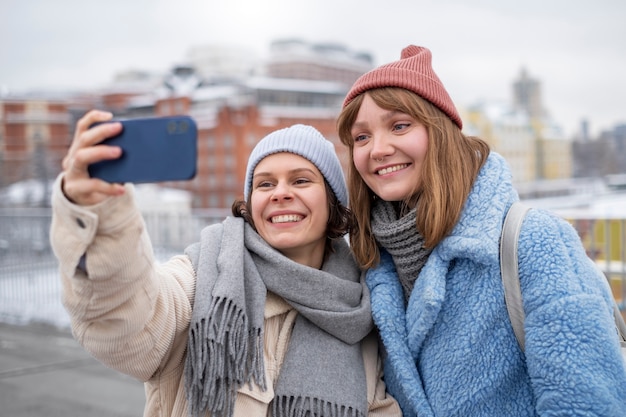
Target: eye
<point>400,126</point>
<point>264,184</point>
<point>300,181</point>
<point>360,138</point>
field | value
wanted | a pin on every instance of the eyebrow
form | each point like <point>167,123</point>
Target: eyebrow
<point>389,114</point>
<point>293,171</point>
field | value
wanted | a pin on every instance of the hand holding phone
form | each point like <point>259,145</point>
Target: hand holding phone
<point>154,149</point>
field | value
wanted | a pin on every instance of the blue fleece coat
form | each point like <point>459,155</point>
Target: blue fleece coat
<point>452,350</point>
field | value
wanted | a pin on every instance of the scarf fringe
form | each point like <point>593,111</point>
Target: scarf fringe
<point>223,354</point>
<point>304,406</point>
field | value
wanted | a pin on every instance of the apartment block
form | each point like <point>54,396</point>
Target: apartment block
<point>299,83</point>
<point>34,137</point>
<point>523,133</point>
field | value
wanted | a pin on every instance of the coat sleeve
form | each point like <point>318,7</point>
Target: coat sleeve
<point>129,312</point>
<point>572,350</point>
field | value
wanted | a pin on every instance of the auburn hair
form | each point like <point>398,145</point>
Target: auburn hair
<point>451,165</point>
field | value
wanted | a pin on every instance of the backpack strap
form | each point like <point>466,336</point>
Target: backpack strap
<point>510,276</point>
<point>621,327</point>
<point>509,268</point>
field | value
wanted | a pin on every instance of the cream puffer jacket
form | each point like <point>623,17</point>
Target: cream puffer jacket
<point>133,313</point>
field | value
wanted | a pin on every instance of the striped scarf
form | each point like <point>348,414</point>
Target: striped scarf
<point>400,237</point>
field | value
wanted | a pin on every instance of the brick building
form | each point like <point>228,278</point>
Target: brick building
<point>299,83</point>
<point>34,136</point>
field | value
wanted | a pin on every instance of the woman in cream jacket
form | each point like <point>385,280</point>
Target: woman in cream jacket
<point>266,315</point>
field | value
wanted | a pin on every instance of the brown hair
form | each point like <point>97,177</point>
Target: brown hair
<point>340,218</point>
<point>452,162</point>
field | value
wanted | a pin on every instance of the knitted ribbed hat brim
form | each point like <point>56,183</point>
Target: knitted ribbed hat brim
<point>412,72</point>
<point>307,142</point>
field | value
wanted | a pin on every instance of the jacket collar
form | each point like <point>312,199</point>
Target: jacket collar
<point>477,233</point>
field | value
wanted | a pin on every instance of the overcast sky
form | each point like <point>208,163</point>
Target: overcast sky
<point>575,48</point>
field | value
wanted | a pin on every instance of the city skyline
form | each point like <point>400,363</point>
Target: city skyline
<point>479,48</point>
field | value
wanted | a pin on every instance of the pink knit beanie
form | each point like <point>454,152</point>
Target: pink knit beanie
<point>413,72</point>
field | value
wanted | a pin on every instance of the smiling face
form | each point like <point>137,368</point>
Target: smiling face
<point>289,207</point>
<point>389,150</point>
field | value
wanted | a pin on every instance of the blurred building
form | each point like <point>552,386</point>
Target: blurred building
<point>615,140</point>
<point>527,96</point>
<point>553,151</point>
<point>600,156</point>
<point>508,132</point>
<point>298,59</point>
<point>124,87</point>
<point>524,134</point>
<point>34,136</point>
<point>233,116</point>
<point>216,63</point>
<point>235,101</point>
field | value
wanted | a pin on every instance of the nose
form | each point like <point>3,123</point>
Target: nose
<point>282,192</point>
<point>381,148</point>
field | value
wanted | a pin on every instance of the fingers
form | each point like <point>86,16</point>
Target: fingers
<point>90,191</point>
<point>80,160</point>
<point>90,118</point>
<point>86,136</point>
<point>86,150</point>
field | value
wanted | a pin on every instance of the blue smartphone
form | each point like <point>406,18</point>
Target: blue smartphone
<point>154,149</point>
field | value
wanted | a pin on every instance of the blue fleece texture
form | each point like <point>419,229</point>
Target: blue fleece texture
<point>452,350</point>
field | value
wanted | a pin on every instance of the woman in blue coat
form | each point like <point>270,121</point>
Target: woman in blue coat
<point>430,204</point>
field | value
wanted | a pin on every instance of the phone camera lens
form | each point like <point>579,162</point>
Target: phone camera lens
<point>171,127</point>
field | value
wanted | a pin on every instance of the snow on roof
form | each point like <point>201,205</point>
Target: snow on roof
<point>212,92</point>
<point>585,206</point>
<point>270,113</point>
<point>288,84</point>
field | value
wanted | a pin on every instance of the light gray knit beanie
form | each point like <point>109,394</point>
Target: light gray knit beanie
<point>307,142</point>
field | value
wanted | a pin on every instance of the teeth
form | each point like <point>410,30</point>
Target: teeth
<point>392,169</point>
<point>286,218</point>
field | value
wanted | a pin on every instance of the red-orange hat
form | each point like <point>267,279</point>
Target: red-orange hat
<point>413,72</point>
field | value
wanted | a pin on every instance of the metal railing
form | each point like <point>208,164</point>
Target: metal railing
<point>30,287</point>
<point>605,242</point>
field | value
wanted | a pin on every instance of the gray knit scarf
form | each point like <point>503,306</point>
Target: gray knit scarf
<point>323,372</point>
<point>400,237</point>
